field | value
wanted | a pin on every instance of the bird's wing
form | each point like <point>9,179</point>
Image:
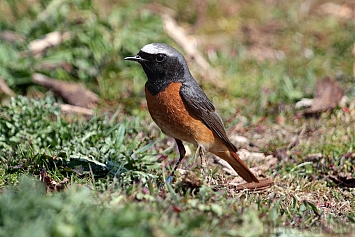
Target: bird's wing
<point>200,106</point>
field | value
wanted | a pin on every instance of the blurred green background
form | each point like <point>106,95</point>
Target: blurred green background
<point>268,54</point>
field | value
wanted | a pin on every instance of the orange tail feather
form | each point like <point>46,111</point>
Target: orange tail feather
<point>240,167</point>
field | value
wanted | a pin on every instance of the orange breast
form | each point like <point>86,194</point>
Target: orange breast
<point>170,114</point>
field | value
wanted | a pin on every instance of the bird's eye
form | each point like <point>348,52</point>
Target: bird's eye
<point>160,58</point>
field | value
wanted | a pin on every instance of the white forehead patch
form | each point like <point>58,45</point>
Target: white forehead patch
<point>156,48</point>
<point>150,48</point>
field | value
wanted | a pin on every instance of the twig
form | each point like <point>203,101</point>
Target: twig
<point>38,46</point>
<point>188,44</point>
<point>73,93</point>
<point>75,109</point>
<point>4,88</point>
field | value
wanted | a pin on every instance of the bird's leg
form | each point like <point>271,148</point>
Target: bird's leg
<point>202,158</point>
<point>182,152</point>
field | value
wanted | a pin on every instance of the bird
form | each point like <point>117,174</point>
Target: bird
<point>181,109</point>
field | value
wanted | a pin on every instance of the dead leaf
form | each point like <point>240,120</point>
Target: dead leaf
<point>343,180</point>
<point>262,185</point>
<point>50,184</point>
<point>304,103</point>
<point>327,95</point>
<point>74,94</point>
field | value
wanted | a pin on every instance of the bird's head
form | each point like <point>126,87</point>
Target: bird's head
<point>162,62</point>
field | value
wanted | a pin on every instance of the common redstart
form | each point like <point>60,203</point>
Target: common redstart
<point>181,109</point>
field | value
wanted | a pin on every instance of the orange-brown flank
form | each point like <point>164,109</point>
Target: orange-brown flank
<point>170,114</point>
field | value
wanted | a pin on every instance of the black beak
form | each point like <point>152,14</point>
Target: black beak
<point>136,58</point>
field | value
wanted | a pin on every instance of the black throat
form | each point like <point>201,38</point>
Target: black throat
<point>155,87</point>
<point>161,76</point>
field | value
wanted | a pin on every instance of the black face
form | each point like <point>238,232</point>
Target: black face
<point>162,64</point>
<point>161,67</point>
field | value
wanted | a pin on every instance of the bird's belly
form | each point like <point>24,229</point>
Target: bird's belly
<point>170,114</point>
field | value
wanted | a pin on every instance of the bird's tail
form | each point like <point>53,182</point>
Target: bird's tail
<point>237,164</point>
<point>241,168</point>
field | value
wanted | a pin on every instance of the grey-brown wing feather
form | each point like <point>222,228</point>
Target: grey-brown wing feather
<point>200,106</point>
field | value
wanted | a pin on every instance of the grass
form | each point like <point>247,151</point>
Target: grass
<point>117,161</point>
